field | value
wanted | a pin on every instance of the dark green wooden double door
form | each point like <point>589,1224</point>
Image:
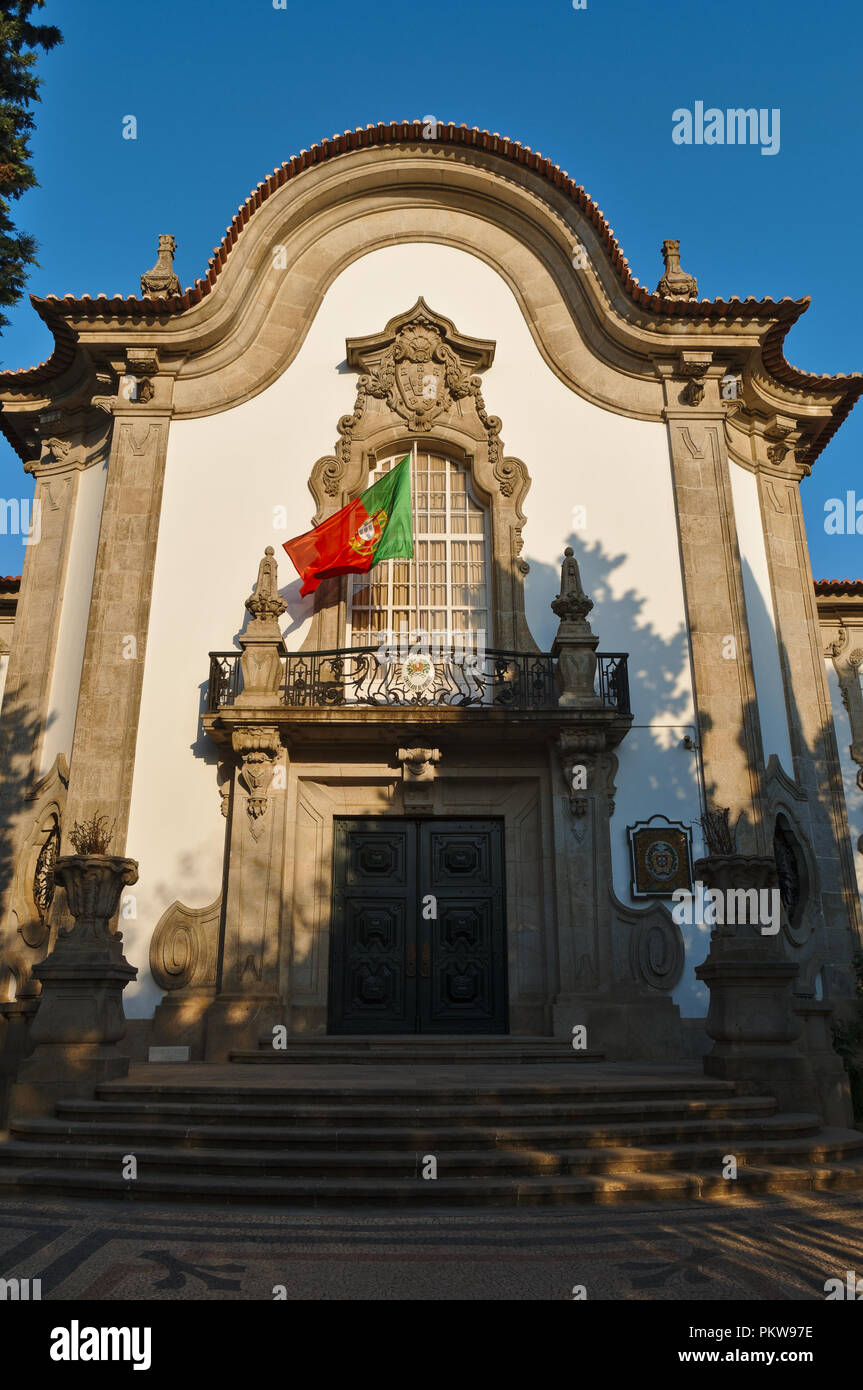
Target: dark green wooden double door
<point>418,930</point>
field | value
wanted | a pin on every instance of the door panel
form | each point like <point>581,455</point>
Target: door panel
<point>395,968</point>
<point>465,988</point>
<point>373,962</point>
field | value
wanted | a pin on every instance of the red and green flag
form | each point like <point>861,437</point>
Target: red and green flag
<point>375,527</point>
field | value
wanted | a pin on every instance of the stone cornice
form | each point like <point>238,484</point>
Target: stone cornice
<point>234,332</point>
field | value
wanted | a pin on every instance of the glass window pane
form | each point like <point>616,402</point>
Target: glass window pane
<point>444,587</point>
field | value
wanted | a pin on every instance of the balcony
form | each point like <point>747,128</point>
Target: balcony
<point>353,678</point>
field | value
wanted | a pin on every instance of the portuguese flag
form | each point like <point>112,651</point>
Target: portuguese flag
<point>377,526</point>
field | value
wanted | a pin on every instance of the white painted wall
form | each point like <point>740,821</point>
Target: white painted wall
<point>74,613</point>
<point>227,473</point>
<point>762,618</point>
<point>853,794</point>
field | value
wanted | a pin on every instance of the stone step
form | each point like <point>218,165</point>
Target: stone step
<point>373,1111</point>
<point>825,1147</point>
<point>426,1087</point>
<point>401,1051</point>
<point>489,1191</point>
<point>406,1137</point>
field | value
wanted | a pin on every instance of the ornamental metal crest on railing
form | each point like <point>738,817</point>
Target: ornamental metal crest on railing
<point>365,676</point>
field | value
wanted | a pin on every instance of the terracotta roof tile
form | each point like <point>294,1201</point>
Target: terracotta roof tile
<point>786,310</point>
<point>828,588</point>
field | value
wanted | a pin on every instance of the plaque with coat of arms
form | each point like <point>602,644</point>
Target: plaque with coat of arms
<point>661,855</point>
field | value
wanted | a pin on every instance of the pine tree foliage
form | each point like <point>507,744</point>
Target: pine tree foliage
<point>19,88</point>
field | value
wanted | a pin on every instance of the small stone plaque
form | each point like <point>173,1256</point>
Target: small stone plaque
<point>169,1054</point>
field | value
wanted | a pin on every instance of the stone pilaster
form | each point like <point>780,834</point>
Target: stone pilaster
<point>723,678</point>
<point>103,752</point>
<point>27,692</point>
<point>817,767</point>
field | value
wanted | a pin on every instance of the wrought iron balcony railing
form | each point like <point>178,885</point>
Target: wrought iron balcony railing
<point>352,676</point>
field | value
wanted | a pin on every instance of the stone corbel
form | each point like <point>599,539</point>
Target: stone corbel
<point>258,748</point>
<point>692,367</point>
<point>418,774</point>
<point>783,434</point>
<point>576,750</point>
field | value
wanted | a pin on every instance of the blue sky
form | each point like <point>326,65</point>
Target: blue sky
<point>225,90</point>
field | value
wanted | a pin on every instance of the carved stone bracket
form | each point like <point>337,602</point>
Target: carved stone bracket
<point>257,747</point>
<point>142,361</point>
<point>418,773</point>
<point>783,434</point>
<point>692,367</point>
<point>588,751</point>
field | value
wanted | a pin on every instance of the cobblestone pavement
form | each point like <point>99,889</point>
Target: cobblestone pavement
<point>772,1248</point>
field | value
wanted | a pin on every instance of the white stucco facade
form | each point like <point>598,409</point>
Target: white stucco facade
<point>229,474</point>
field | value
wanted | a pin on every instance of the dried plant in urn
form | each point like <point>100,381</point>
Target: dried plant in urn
<point>718,834</point>
<point>92,836</point>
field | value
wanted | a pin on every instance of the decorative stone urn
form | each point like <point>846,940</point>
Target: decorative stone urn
<point>80,1017</point>
<point>751,1018</point>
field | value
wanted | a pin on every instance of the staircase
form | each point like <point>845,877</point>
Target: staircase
<point>513,1129</point>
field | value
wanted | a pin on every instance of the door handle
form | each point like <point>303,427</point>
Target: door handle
<point>426,960</point>
<point>412,961</point>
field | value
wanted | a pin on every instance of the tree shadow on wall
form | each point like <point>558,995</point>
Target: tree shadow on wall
<point>658,665</point>
<point>19,731</point>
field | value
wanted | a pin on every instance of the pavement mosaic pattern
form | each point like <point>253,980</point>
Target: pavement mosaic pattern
<point>774,1248</point>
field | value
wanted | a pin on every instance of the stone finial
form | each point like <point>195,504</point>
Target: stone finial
<point>264,603</point>
<point>161,281</point>
<point>675,283</point>
<point>575,645</point>
<point>262,642</point>
<point>572,603</point>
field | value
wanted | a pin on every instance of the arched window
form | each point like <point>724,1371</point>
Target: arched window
<point>445,588</point>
